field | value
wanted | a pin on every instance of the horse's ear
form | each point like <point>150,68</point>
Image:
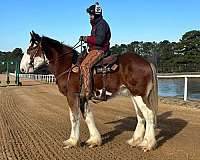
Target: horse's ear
<point>32,39</point>
<point>36,36</point>
<point>31,35</point>
<point>33,32</point>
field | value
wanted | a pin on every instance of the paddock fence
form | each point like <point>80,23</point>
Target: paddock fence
<point>51,79</point>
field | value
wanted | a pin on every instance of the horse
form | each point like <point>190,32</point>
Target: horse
<point>134,72</point>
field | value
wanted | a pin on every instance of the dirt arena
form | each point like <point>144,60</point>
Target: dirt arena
<point>34,121</point>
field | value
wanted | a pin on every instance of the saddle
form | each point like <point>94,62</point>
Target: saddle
<point>107,64</point>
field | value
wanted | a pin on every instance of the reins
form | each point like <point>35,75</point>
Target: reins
<point>74,47</point>
<point>70,69</point>
<point>63,73</point>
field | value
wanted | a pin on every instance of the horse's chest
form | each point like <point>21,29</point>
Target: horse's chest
<point>63,88</point>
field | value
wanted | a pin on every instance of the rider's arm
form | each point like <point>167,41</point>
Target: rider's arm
<point>99,38</point>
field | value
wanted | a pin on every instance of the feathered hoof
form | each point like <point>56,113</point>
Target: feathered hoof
<point>147,146</point>
<point>93,142</point>
<point>134,143</point>
<point>70,143</point>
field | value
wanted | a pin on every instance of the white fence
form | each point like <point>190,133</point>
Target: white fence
<point>185,83</point>
<point>51,79</point>
<point>46,78</point>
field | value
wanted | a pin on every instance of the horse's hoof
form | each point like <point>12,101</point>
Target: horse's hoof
<point>69,143</point>
<point>146,149</point>
<point>92,145</point>
<point>134,143</point>
<point>93,142</point>
<point>147,146</point>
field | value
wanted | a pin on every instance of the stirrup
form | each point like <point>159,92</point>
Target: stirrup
<point>102,97</point>
<point>97,100</point>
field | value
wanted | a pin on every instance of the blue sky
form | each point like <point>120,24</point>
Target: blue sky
<point>66,20</point>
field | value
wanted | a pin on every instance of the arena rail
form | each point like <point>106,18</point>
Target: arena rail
<point>45,78</point>
<point>51,79</point>
<point>185,83</point>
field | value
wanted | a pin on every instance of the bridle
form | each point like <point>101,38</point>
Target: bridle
<point>32,56</point>
<point>39,45</point>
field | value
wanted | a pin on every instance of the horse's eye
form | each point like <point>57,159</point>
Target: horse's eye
<point>34,45</point>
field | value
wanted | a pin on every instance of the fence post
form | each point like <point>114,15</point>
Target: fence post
<point>185,88</point>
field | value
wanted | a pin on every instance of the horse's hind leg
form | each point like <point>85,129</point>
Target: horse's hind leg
<point>140,128</point>
<point>95,137</point>
<point>149,141</point>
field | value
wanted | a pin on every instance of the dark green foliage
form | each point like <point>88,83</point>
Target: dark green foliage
<point>14,56</point>
<point>182,56</point>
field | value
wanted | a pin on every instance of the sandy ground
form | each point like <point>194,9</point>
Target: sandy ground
<point>34,121</point>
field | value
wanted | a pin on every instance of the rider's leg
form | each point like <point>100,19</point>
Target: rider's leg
<point>86,66</point>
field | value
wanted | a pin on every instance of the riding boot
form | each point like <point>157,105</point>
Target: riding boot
<point>103,95</point>
<point>82,93</point>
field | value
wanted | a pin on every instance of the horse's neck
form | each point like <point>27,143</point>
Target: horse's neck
<point>60,63</point>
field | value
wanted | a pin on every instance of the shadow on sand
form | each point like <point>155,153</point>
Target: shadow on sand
<point>28,85</point>
<point>167,127</point>
<point>25,85</point>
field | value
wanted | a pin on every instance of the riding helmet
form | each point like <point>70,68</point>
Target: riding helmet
<point>95,10</point>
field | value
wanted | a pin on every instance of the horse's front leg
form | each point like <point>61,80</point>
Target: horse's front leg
<point>95,137</point>
<point>75,122</point>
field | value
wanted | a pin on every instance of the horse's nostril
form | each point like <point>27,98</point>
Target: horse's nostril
<point>22,70</point>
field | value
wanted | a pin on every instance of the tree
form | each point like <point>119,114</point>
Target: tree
<point>13,56</point>
<point>170,56</point>
<point>189,47</point>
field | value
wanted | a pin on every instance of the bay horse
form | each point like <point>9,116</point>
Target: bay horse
<point>135,73</point>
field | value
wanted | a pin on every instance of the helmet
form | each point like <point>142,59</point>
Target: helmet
<point>95,10</point>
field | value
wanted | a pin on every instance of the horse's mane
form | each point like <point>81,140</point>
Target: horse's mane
<point>54,43</point>
<point>63,48</point>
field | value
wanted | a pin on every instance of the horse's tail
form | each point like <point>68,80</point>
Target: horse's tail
<point>153,95</point>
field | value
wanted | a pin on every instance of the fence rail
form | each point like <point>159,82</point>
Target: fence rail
<point>45,78</point>
<point>185,82</point>
<point>178,68</point>
<point>51,79</point>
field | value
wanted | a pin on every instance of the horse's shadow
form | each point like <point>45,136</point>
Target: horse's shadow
<point>167,128</point>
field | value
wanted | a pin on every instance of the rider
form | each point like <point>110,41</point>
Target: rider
<point>98,43</point>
